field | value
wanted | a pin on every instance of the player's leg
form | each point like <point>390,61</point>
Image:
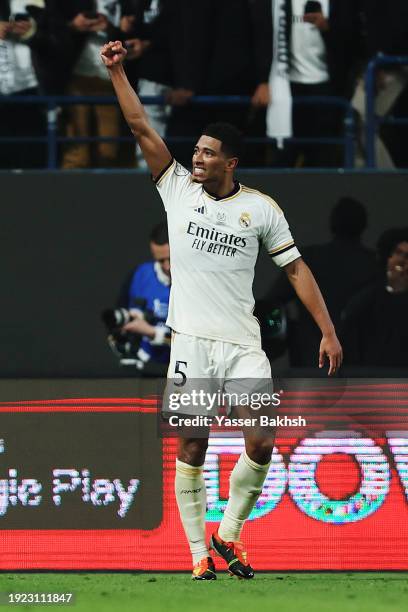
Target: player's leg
<point>246,483</point>
<point>248,476</point>
<point>192,501</point>
<point>249,375</point>
<point>190,371</point>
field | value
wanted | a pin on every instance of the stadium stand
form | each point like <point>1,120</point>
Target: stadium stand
<point>164,58</point>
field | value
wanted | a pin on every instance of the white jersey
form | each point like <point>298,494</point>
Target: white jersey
<point>214,244</point>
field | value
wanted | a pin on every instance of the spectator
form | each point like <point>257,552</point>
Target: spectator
<point>148,27</point>
<point>341,267</point>
<point>81,27</point>
<point>236,29</point>
<point>315,51</point>
<point>21,29</point>
<point>150,282</point>
<point>375,322</point>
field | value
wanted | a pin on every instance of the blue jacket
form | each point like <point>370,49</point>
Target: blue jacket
<point>145,284</point>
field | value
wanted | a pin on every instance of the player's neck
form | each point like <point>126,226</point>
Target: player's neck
<point>222,189</point>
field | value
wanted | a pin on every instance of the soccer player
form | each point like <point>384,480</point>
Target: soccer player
<point>215,228</point>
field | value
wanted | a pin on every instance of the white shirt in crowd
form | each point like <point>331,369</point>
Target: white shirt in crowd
<point>214,246</point>
<point>152,12</point>
<point>16,69</point>
<point>308,52</point>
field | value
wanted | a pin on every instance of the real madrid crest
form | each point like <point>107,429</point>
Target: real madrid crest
<point>245,220</point>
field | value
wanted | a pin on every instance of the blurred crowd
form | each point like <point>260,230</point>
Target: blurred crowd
<point>272,51</point>
<point>365,290</point>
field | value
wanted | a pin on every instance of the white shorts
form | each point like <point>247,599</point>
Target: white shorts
<point>214,366</point>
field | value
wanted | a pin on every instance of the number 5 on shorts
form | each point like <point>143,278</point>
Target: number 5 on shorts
<point>182,374</point>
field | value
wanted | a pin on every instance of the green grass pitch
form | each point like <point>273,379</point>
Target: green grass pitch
<point>286,592</point>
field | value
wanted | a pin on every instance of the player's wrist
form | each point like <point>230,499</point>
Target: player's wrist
<point>116,69</point>
<point>329,332</point>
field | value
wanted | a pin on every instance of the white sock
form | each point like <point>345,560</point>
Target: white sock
<point>246,482</point>
<point>191,498</point>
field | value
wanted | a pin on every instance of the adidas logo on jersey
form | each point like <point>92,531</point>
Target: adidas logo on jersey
<point>200,209</point>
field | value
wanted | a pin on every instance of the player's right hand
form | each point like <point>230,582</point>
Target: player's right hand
<point>113,53</point>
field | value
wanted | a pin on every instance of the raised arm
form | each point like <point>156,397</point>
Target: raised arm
<point>308,292</point>
<point>154,149</point>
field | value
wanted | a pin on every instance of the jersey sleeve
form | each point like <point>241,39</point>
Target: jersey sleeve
<point>172,183</point>
<point>277,238</point>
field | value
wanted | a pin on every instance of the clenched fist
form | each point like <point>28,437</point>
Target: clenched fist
<point>113,54</point>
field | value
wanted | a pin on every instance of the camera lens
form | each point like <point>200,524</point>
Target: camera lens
<point>117,317</point>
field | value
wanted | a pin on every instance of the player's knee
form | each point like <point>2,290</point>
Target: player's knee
<point>260,451</point>
<point>193,451</point>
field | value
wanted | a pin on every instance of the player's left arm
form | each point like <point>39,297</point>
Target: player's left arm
<point>307,290</point>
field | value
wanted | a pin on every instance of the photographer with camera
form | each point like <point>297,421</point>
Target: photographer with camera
<point>137,330</point>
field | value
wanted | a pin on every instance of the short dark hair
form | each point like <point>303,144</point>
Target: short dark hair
<point>160,234</point>
<point>230,136</point>
<point>348,218</point>
<point>388,241</point>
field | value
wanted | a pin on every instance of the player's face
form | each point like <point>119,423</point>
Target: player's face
<point>210,164</point>
<point>161,253</point>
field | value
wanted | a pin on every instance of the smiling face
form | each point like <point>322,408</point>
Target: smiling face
<point>398,260</point>
<point>397,268</point>
<point>210,164</point>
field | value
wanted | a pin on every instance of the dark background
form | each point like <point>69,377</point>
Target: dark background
<point>69,239</point>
